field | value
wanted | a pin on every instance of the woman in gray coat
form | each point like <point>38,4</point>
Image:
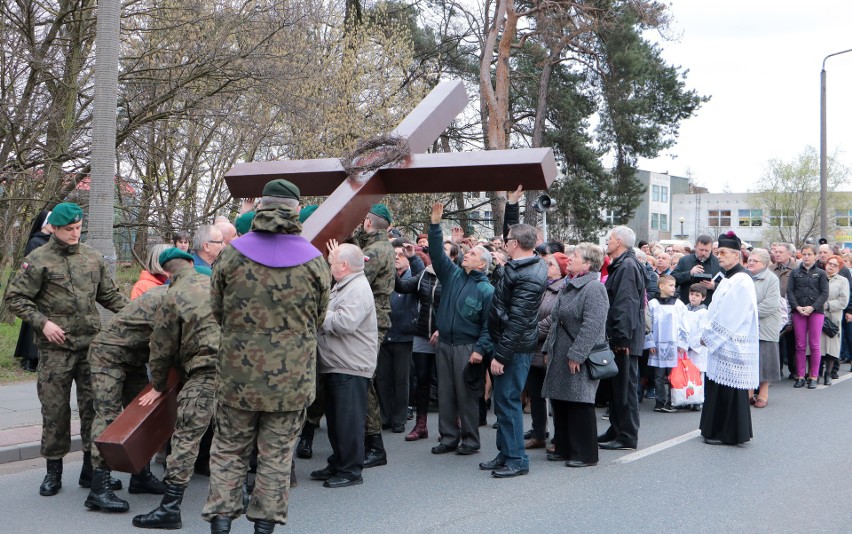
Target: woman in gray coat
<point>767,289</point>
<point>838,298</point>
<point>578,322</point>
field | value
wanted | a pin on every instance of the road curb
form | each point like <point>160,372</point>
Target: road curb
<point>28,451</point>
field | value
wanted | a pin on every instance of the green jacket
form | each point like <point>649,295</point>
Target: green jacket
<point>380,273</point>
<point>185,334</point>
<point>465,299</point>
<point>269,314</point>
<point>131,328</point>
<point>62,283</point>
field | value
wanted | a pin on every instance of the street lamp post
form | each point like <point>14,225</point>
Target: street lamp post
<point>823,167</point>
<point>682,219</point>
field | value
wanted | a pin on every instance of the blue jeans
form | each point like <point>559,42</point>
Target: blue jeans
<point>510,412</point>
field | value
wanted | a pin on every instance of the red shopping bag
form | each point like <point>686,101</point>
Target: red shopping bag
<point>687,386</point>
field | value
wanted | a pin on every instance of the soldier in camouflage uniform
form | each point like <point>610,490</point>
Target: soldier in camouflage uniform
<point>55,291</point>
<point>270,294</point>
<point>379,270</point>
<point>117,357</point>
<point>185,336</point>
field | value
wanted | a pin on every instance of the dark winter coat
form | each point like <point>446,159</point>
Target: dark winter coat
<point>807,287</point>
<point>403,315</point>
<point>513,319</point>
<point>625,287</point>
<point>428,290</point>
<point>684,278</point>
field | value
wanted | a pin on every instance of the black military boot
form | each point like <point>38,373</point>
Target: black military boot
<point>375,454</point>
<point>101,497</point>
<point>305,447</point>
<point>86,474</point>
<point>264,526</point>
<point>220,525</point>
<point>167,515</point>
<point>52,482</point>
<point>146,482</point>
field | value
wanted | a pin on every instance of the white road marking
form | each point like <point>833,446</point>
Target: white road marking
<point>632,457</point>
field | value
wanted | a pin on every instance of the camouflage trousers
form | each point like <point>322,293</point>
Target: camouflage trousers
<point>374,416</point>
<point>57,368</point>
<point>235,435</point>
<point>114,385</point>
<point>196,404</point>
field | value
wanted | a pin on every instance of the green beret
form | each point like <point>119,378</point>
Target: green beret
<point>382,211</point>
<point>173,253</point>
<point>281,188</point>
<point>65,214</point>
<point>306,212</point>
<point>243,223</point>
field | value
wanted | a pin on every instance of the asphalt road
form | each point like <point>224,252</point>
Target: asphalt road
<point>794,476</point>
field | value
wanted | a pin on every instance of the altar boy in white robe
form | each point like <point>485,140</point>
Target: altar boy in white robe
<point>731,338</point>
<point>665,320</point>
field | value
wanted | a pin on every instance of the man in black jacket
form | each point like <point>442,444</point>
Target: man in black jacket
<point>512,323</point>
<point>625,328</point>
<point>697,267</point>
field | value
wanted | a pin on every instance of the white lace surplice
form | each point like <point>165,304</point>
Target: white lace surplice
<point>668,332</point>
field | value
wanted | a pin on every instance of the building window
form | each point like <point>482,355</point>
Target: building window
<point>487,215</point>
<point>719,218</point>
<point>750,218</point>
<point>655,193</point>
<point>664,193</point>
<point>610,217</point>
<point>655,221</point>
<point>664,222</point>
<point>843,218</point>
<point>780,218</point>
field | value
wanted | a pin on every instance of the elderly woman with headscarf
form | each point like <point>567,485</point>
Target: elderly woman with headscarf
<point>557,270</point>
<point>767,289</point>
<point>838,299</point>
<point>577,323</point>
<point>731,338</point>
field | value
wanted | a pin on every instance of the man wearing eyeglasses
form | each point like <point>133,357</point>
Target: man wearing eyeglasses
<point>207,244</point>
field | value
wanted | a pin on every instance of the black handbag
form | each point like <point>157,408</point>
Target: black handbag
<point>601,362</point>
<point>829,327</point>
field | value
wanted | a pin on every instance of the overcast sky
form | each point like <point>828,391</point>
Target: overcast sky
<point>760,62</point>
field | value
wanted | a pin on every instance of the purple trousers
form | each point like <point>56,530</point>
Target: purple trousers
<point>807,331</point>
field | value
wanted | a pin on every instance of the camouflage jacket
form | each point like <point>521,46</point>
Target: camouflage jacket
<point>61,283</point>
<point>380,273</point>
<point>185,333</point>
<point>131,328</point>
<point>270,312</point>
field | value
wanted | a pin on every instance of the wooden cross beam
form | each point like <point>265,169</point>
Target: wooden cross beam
<point>350,198</point>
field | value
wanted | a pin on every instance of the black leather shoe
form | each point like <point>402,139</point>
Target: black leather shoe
<point>146,482</point>
<point>398,429</point>
<point>834,375</point>
<point>508,471</point>
<point>812,383</point>
<point>374,451</point>
<point>305,448</point>
<point>496,463</point>
<point>464,450</point>
<point>220,525</point>
<point>553,457</point>
<point>52,482</point>
<point>341,482</point>
<point>713,441</point>
<point>324,474</point>
<point>604,437</point>
<point>578,463</point>
<point>442,449</point>
<point>800,383</point>
<point>616,445</point>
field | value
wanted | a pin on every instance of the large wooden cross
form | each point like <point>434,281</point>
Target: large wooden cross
<point>134,437</point>
<point>352,196</point>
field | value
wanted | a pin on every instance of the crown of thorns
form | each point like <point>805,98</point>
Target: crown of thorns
<point>374,153</point>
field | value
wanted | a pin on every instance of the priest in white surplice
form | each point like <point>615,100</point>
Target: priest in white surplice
<point>731,338</point>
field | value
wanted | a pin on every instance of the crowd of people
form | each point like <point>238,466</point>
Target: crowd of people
<point>268,336</point>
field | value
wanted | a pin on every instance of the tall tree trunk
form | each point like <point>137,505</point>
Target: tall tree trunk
<point>102,195</point>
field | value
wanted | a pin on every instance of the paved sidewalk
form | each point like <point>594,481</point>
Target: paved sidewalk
<point>20,422</point>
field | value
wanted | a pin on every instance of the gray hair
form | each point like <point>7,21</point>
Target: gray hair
<point>625,235</point>
<point>203,235</point>
<point>486,257</point>
<point>791,248</point>
<point>591,253</point>
<point>152,262</point>
<point>640,255</point>
<point>351,254</point>
<point>270,202</point>
<point>762,254</point>
<point>525,235</point>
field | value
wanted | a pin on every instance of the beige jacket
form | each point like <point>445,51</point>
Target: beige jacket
<point>348,339</point>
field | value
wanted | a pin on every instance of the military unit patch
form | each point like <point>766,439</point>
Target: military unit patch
<point>25,266</point>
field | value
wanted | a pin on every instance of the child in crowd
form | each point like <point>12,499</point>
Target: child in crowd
<point>696,313</point>
<point>665,321</point>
